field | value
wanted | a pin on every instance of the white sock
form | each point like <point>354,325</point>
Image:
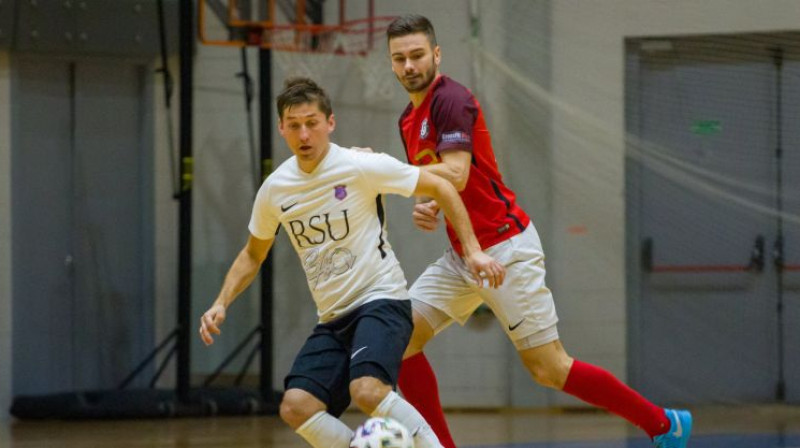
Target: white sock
<point>395,407</point>
<point>323,430</point>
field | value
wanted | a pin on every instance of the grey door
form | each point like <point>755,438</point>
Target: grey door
<point>702,116</point>
<point>791,254</point>
<point>82,234</point>
<point>42,226</point>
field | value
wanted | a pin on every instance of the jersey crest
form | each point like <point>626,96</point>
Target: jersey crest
<point>450,118</point>
<point>340,192</point>
<point>424,130</point>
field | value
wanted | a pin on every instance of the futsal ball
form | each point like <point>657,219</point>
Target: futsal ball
<point>381,432</point>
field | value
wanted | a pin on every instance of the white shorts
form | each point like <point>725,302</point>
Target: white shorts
<point>523,305</point>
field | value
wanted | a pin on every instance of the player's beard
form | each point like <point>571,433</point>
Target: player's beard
<point>425,81</point>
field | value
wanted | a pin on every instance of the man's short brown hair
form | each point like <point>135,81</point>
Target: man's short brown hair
<point>300,90</point>
<point>411,24</point>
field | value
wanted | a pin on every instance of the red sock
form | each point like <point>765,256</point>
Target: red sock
<point>418,383</point>
<point>602,389</point>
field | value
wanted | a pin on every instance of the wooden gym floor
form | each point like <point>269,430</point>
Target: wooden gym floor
<point>715,427</point>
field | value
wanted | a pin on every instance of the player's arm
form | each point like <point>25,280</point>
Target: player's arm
<point>242,272</point>
<point>454,167</point>
<point>443,192</point>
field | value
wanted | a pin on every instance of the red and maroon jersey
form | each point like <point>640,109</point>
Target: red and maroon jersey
<point>451,118</point>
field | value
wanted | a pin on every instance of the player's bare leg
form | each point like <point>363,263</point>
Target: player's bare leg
<point>367,393</point>
<point>377,399</point>
<point>420,337</point>
<point>549,364</point>
<point>418,383</point>
<point>552,367</point>
<point>298,406</point>
<point>309,418</point>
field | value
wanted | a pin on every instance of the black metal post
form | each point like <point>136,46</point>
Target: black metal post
<point>780,389</point>
<point>247,84</point>
<point>187,37</point>
<point>147,360</point>
<point>265,113</point>
<point>214,375</point>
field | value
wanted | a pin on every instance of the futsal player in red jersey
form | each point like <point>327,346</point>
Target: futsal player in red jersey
<point>444,131</point>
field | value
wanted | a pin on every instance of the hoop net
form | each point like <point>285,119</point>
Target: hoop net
<point>303,52</point>
<point>319,52</point>
<point>370,56</point>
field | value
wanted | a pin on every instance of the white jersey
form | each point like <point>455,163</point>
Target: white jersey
<point>335,218</point>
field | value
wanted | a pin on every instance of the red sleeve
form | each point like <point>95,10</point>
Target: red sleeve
<point>453,112</point>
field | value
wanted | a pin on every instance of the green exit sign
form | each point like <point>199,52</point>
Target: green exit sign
<point>707,127</point>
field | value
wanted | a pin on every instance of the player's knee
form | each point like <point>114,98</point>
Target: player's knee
<point>368,392</point>
<point>550,372</point>
<point>297,407</point>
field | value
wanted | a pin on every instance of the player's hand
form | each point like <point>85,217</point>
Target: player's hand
<point>210,322</point>
<point>485,269</point>
<point>426,216</point>
<point>360,149</point>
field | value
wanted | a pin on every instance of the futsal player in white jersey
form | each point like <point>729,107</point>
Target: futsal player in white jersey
<point>329,201</point>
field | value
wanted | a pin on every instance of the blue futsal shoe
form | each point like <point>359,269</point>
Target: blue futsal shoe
<point>680,427</point>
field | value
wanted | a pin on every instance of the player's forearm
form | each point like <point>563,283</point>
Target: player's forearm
<point>444,170</point>
<point>239,277</point>
<point>453,207</point>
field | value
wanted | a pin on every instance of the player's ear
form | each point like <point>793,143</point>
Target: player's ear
<point>331,123</point>
<point>437,54</point>
<point>280,127</point>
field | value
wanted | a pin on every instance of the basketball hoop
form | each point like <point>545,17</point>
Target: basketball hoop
<point>317,51</point>
<point>366,42</point>
<point>310,52</point>
<point>300,52</point>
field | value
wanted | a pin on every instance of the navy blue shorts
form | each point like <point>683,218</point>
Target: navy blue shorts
<point>370,341</point>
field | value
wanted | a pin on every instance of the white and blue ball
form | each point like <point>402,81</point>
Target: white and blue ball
<point>381,432</point>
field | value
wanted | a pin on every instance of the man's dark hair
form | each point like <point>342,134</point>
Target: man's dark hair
<point>301,90</point>
<point>410,24</point>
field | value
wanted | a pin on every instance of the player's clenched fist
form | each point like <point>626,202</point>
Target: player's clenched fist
<point>426,216</point>
<point>210,322</point>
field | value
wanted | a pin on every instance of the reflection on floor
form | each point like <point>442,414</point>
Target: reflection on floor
<point>717,427</point>
<point>714,427</point>
<point>713,441</point>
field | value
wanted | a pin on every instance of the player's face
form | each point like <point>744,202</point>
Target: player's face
<point>414,61</point>
<point>307,132</point>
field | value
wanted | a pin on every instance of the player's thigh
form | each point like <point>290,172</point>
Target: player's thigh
<point>423,326</point>
<point>321,369</point>
<point>524,304</point>
<point>381,335</point>
<point>445,293</point>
